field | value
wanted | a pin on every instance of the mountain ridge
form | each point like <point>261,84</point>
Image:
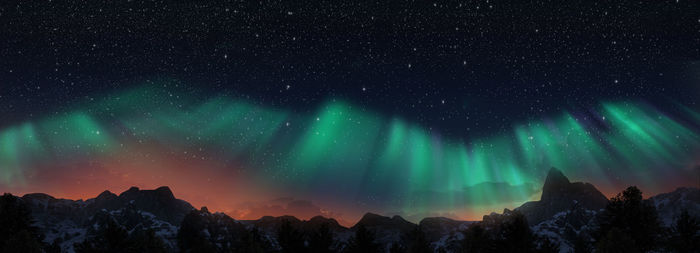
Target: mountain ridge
<point>565,208</point>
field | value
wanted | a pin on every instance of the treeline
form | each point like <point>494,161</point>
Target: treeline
<point>627,224</point>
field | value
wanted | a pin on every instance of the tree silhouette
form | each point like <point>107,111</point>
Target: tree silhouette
<point>321,240</point>
<point>190,237</point>
<point>616,241</point>
<point>16,231</point>
<point>582,244</point>
<point>396,248</point>
<point>289,238</point>
<point>417,242</point>
<point>111,238</point>
<point>147,241</point>
<point>514,234</point>
<point>253,242</point>
<point>547,246</point>
<point>363,241</point>
<point>22,241</point>
<point>685,234</point>
<point>631,216</point>
<point>54,247</point>
<point>476,239</point>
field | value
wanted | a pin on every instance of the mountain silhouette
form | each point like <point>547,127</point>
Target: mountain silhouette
<point>669,205</point>
<point>372,221</point>
<point>134,209</point>
<point>565,210</point>
<point>559,195</point>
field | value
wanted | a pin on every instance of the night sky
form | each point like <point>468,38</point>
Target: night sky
<point>419,108</point>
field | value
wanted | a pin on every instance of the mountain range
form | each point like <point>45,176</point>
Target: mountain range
<point>565,210</point>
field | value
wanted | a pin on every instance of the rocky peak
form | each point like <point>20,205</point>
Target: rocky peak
<point>559,195</point>
<point>439,227</point>
<point>165,192</point>
<point>160,194</point>
<point>371,219</point>
<point>670,205</point>
<point>38,196</point>
<point>398,219</point>
<point>377,221</point>
<point>130,192</point>
<point>317,221</point>
<point>160,202</point>
<point>105,195</point>
<point>555,183</point>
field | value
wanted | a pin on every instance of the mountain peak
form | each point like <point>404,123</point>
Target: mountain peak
<point>43,196</point>
<point>165,192</point>
<point>131,190</point>
<point>559,194</point>
<point>318,220</point>
<point>376,220</point>
<point>398,218</point>
<point>556,176</point>
<point>371,216</point>
<point>555,182</point>
<point>106,195</point>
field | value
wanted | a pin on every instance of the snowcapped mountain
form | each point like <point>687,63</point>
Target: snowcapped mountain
<point>669,205</point>
<point>444,233</point>
<point>566,212</point>
<point>387,230</point>
<point>67,222</point>
<point>565,209</point>
<point>560,195</point>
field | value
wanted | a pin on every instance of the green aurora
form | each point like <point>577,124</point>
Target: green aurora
<point>343,154</point>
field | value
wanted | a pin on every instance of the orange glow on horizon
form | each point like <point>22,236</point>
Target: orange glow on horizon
<point>203,182</point>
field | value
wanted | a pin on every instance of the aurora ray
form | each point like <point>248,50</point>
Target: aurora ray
<point>343,153</point>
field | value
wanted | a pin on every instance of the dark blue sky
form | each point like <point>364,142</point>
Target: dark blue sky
<point>464,68</point>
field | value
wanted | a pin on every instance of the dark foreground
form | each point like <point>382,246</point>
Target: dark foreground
<point>570,217</point>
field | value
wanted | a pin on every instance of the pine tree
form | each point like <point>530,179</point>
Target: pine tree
<point>514,234</point>
<point>476,239</point>
<point>190,237</point>
<point>289,238</point>
<point>253,242</point>
<point>146,241</point>
<point>547,246</point>
<point>54,247</point>
<point>685,234</point>
<point>363,241</point>
<point>16,231</point>
<point>629,214</point>
<point>616,241</point>
<point>111,238</point>
<point>21,242</point>
<point>396,248</point>
<point>417,242</point>
<point>582,244</point>
<point>321,240</point>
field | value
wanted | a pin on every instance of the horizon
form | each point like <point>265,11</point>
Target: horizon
<point>411,108</point>
<point>247,173</point>
<point>342,221</point>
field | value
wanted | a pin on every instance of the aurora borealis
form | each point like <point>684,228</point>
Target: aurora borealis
<point>340,157</point>
<point>338,108</point>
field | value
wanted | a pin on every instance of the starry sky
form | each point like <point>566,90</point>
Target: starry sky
<point>418,108</point>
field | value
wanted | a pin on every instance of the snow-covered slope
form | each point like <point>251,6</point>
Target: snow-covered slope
<point>670,205</point>
<point>566,211</point>
<point>67,222</point>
